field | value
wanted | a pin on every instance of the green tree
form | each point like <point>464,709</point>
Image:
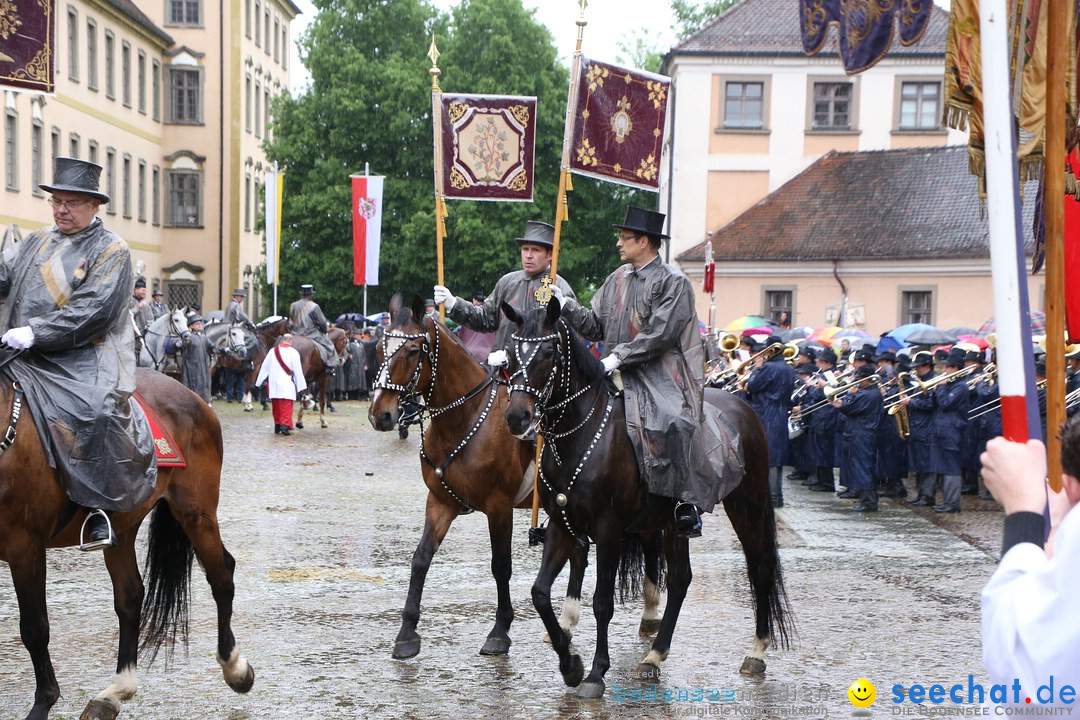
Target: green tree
<point>691,17</point>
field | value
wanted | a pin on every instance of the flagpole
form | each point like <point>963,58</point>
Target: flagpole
<point>1054,207</point>
<point>367,171</point>
<point>440,198</point>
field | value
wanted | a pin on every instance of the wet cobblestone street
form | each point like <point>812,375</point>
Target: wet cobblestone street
<point>323,525</point>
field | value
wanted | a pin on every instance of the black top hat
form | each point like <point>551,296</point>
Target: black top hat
<point>922,358</point>
<point>646,222</point>
<point>307,289</point>
<point>157,293</point>
<point>538,233</point>
<point>242,291</point>
<point>140,283</point>
<point>77,176</point>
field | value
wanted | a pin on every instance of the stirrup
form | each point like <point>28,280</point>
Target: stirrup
<point>96,544</point>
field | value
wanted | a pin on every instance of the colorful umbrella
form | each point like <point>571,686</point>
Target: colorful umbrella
<point>852,335</point>
<point>823,335</point>
<point>796,333</point>
<point>746,321</point>
<point>765,331</point>
<point>888,344</point>
<point>1037,318</point>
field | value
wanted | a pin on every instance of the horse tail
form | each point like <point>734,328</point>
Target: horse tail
<point>767,571</point>
<point>631,572</point>
<point>169,556</point>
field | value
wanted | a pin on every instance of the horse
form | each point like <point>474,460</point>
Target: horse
<point>315,370</point>
<point>469,460</point>
<point>161,339</point>
<point>35,514</point>
<point>224,337</point>
<point>590,484</point>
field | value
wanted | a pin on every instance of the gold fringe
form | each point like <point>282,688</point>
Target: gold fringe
<point>955,115</point>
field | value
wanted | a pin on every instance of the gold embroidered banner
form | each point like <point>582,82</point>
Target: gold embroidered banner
<point>488,144</point>
<point>26,44</point>
<point>618,124</point>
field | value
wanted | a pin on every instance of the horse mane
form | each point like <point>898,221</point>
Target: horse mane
<point>536,325</point>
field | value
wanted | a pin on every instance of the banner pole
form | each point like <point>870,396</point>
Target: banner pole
<point>440,200</point>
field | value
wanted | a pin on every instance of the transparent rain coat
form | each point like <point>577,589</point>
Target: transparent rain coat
<point>308,320</point>
<point>73,291</point>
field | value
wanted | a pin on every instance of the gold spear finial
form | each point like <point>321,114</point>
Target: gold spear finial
<point>435,72</point>
<point>581,22</point>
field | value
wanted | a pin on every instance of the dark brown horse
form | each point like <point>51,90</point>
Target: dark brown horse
<point>591,485</point>
<point>183,525</point>
<point>315,370</point>
<point>266,333</point>
<point>468,459</point>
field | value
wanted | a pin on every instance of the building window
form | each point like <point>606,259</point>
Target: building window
<point>247,103</point>
<point>917,306</point>
<point>744,105</point>
<point>110,179</point>
<point>184,105</point>
<point>920,106</point>
<point>832,106</point>
<point>266,28</point>
<point>37,136</point>
<point>284,45</point>
<point>183,205</point>
<point>140,81</point>
<point>155,195</point>
<point>125,184</point>
<point>125,73</point>
<point>92,152</point>
<point>779,305</point>
<point>184,12</point>
<point>247,18</point>
<point>277,44</point>
<point>11,150</point>
<point>142,191</point>
<point>110,80</point>
<point>54,147</point>
<point>73,44</point>
<point>258,23</point>
<point>73,145</point>
<point>258,112</point>
<point>247,201</point>
<point>266,111</point>
<point>91,54</point>
<point>155,90</point>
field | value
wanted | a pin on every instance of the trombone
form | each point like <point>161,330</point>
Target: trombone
<point>990,406</point>
<point>989,372</point>
<point>737,369</point>
<point>927,386</point>
<point>835,393</point>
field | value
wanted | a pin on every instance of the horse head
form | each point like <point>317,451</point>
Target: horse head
<point>402,374</point>
<point>537,356</point>
<point>177,323</point>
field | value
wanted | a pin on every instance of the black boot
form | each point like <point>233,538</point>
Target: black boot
<point>687,520</point>
<point>868,501</point>
<point>96,532</point>
<point>277,429</point>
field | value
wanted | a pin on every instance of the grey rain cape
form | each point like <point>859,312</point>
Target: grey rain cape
<point>74,291</point>
<point>308,320</point>
<point>647,318</point>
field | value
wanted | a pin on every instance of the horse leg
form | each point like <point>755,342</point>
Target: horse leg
<point>247,400</point>
<point>437,519</point>
<point>650,615</point>
<point>607,564</point>
<point>323,382</point>
<point>26,561</point>
<point>571,609</point>
<point>558,546</point>
<point>501,530</point>
<point>677,554</point>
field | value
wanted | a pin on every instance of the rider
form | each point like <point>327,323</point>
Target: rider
<point>517,288</point>
<point>67,293</point>
<point>308,320</point>
<point>645,314</point>
<point>157,307</point>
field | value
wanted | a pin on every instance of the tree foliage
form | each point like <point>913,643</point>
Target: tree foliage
<point>370,101</point>
<point>691,17</point>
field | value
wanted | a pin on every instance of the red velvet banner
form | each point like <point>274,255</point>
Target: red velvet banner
<point>618,119</point>
<point>26,44</point>
<point>488,145</point>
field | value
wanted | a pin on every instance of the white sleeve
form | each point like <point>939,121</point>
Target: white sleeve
<point>298,372</point>
<point>264,371</point>
<point>1030,627</point>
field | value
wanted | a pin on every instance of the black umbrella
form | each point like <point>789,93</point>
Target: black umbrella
<point>353,317</point>
<point>930,336</point>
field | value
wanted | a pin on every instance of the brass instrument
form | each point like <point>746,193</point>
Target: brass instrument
<point>791,351</point>
<point>728,342</point>
<point>927,386</point>
<point>898,410</point>
<point>988,374</point>
<point>988,407</point>
<point>835,393</point>
<point>747,367</point>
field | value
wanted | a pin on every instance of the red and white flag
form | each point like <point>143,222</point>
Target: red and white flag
<point>367,227</point>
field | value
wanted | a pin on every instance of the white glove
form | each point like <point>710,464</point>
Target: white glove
<point>442,296</point>
<point>19,338</point>
<point>497,359</point>
<point>611,363</point>
<point>557,293</point>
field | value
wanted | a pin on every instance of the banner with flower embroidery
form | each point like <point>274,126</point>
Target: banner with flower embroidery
<point>488,146</point>
<point>26,45</point>
<point>618,124</point>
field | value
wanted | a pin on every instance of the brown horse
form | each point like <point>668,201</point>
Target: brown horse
<point>266,332</point>
<point>315,369</point>
<point>183,525</point>
<point>591,483</point>
<point>468,459</point>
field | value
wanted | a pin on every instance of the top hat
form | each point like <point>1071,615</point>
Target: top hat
<point>77,176</point>
<point>307,289</point>
<point>157,293</point>
<point>922,358</point>
<point>646,222</point>
<point>242,291</point>
<point>538,233</point>
<point>140,283</point>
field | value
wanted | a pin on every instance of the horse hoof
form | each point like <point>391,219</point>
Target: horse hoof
<point>245,683</point>
<point>495,645</point>
<point>752,666</point>
<point>299,426</point>
<point>648,673</point>
<point>591,689</point>
<point>405,649</point>
<point>574,676</point>
<point>100,710</point>
<point>649,627</point>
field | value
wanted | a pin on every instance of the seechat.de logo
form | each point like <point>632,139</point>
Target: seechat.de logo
<point>862,693</point>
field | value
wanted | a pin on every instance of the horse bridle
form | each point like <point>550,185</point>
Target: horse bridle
<point>407,392</point>
<point>173,331</point>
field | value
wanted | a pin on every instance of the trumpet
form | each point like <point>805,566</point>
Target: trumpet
<point>728,342</point>
<point>741,373</point>
<point>927,386</point>
<point>835,393</point>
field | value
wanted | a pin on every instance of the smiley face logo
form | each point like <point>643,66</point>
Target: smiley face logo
<point>862,693</point>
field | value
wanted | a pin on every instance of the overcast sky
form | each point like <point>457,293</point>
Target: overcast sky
<point>610,21</point>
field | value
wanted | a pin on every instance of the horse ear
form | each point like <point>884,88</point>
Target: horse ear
<point>396,304</point>
<point>554,310</point>
<point>417,308</point>
<point>510,313</point>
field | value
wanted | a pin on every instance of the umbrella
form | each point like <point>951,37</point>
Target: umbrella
<point>888,344</point>
<point>214,316</point>
<point>930,336</point>
<point>353,317</point>
<point>974,340</point>
<point>822,335</point>
<point>765,331</point>
<point>901,333</point>
<point>960,332</point>
<point>746,321</point>
<point>796,333</point>
<point>1037,318</point>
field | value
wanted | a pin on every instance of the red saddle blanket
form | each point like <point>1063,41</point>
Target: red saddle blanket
<point>167,451</point>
